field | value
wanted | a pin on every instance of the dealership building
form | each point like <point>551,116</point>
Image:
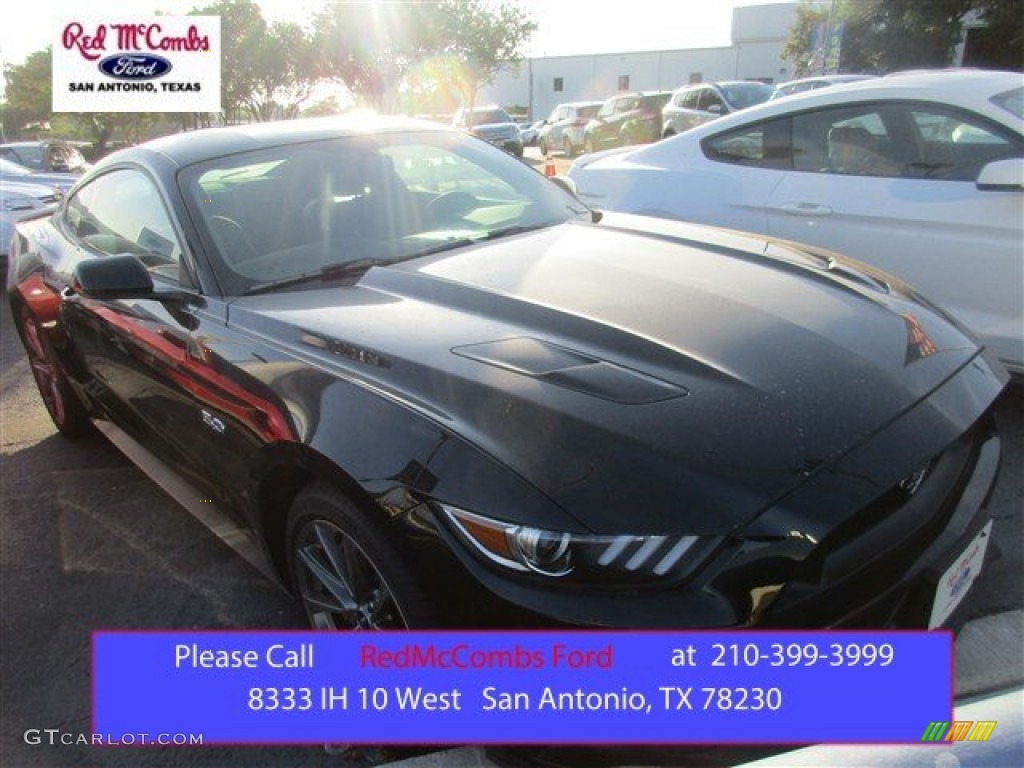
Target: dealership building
<point>759,33</point>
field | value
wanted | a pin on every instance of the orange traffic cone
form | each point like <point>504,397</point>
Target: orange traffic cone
<point>549,164</point>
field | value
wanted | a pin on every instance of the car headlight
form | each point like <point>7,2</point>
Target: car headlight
<point>588,558</point>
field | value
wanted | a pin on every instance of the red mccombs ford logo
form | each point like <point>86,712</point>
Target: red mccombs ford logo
<point>130,37</point>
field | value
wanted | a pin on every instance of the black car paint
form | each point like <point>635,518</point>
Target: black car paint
<point>658,424</point>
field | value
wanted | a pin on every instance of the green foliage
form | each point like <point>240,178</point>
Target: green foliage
<point>370,46</point>
<point>890,35</point>
<point>373,47</point>
<point>478,39</point>
<point>29,91</point>
<point>267,71</point>
<point>1001,43</point>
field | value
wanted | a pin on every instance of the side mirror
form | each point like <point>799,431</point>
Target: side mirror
<point>122,276</point>
<point>112,277</point>
<point>567,184</point>
<point>714,109</point>
<point>1004,175</point>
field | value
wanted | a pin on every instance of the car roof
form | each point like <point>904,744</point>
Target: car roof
<point>719,84</point>
<point>41,142</point>
<point>948,87</point>
<point>834,79</point>
<point>196,146</point>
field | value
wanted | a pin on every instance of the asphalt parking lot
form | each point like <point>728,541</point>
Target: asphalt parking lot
<point>89,543</point>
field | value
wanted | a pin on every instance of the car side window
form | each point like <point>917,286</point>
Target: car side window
<point>763,145</point>
<point>902,140</point>
<point>691,99</point>
<point>711,99</point>
<point>955,147</point>
<point>122,212</point>
<point>606,109</point>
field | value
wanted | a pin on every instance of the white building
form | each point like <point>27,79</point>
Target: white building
<point>758,35</point>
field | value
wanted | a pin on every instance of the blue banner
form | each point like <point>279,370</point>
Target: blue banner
<point>523,687</point>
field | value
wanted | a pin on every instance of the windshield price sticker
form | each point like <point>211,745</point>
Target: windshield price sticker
<point>523,687</point>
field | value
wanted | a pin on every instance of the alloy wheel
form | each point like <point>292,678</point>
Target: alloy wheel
<point>339,584</point>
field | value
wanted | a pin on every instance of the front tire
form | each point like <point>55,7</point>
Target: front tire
<point>66,411</point>
<point>346,569</point>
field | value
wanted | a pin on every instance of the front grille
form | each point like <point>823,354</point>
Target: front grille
<point>872,551</point>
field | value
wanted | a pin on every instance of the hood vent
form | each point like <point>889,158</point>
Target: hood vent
<point>573,370</point>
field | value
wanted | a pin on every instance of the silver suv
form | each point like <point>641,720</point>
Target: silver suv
<point>695,104</point>
<point>564,127</point>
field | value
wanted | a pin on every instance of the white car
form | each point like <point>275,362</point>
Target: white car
<point>920,174</point>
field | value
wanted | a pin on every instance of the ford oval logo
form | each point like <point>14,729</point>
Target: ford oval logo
<point>135,66</point>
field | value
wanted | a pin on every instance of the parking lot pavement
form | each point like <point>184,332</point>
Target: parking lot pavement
<point>533,156</point>
<point>89,543</point>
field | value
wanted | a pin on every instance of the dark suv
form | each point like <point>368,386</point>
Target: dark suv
<point>629,118</point>
<point>491,124</point>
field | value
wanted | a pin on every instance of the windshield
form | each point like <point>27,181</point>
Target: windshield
<point>743,95</point>
<point>283,213</point>
<point>488,116</point>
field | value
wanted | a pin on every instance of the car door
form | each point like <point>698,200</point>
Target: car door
<point>904,198</point>
<point>732,177</point>
<point>149,361</point>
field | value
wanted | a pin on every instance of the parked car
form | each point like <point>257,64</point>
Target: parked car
<point>528,133</point>
<point>11,171</point>
<point>813,83</point>
<point>920,175</point>
<point>440,391</point>
<point>49,155</point>
<point>18,199</point>
<point>696,104</point>
<point>563,129</point>
<point>491,124</point>
<point>629,118</point>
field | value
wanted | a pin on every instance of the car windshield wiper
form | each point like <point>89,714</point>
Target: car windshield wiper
<point>330,272</point>
<point>459,242</point>
<point>518,229</point>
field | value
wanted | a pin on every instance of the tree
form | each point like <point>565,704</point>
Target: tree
<point>478,39</point>
<point>30,99</point>
<point>283,70</point>
<point>1000,43</point>
<point>370,46</point>
<point>29,89</point>
<point>241,24</point>
<point>881,35</point>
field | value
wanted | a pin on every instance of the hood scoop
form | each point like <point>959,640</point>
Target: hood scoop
<point>573,370</point>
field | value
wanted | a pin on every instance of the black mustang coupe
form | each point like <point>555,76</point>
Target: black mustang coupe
<point>433,389</point>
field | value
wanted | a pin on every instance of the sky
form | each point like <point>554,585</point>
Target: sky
<point>565,27</point>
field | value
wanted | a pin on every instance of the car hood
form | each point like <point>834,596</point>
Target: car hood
<point>37,190</point>
<point>675,378</point>
<point>63,181</point>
